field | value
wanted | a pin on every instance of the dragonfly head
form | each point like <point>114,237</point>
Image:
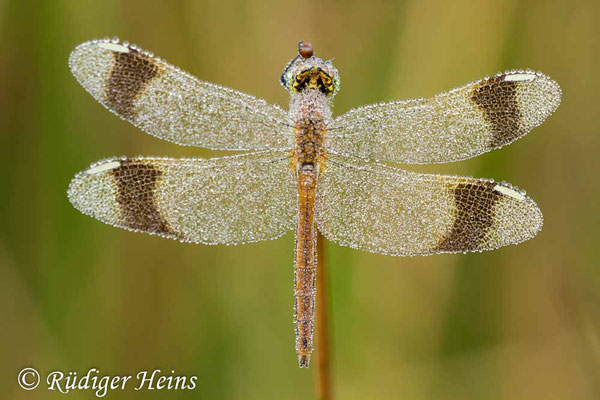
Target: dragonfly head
<point>305,71</point>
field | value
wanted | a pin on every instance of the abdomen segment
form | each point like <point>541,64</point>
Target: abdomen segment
<point>305,266</point>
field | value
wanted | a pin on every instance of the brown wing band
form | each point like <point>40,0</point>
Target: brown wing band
<point>131,72</point>
<point>475,215</point>
<point>497,99</point>
<point>136,185</point>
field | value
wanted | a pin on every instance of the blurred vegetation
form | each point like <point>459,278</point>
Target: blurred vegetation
<point>522,322</point>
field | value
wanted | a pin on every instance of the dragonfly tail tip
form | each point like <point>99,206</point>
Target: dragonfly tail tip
<point>303,360</point>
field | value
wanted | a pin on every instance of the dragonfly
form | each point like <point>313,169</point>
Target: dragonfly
<point>304,169</point>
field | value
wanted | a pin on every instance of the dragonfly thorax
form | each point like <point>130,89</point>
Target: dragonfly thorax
<point>310,110</point>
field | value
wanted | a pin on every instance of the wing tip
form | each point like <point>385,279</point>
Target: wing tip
<point>529,217</point>
<point>553,91</point>
<point>548,89</point>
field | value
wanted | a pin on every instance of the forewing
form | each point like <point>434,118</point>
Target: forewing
<point>450,126</point>
<point>226,200</point>
<point>388,210</point>
<point>171,104</point>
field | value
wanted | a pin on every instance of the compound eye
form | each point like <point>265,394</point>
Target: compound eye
<point>305,49</point>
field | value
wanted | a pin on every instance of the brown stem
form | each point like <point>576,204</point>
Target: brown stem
<point>323,372</point>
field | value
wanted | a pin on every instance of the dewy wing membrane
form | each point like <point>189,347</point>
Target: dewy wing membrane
<point>228,200</point>
<point>451,126</point>
<point>386,210</point>
<point>171,104</point>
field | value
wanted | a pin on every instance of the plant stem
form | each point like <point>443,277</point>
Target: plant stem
<point>323,373</point>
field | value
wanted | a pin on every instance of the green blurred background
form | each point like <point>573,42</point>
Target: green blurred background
<point>522,322</point>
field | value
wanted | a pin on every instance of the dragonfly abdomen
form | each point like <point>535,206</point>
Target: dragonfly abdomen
<point>305,266</point>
